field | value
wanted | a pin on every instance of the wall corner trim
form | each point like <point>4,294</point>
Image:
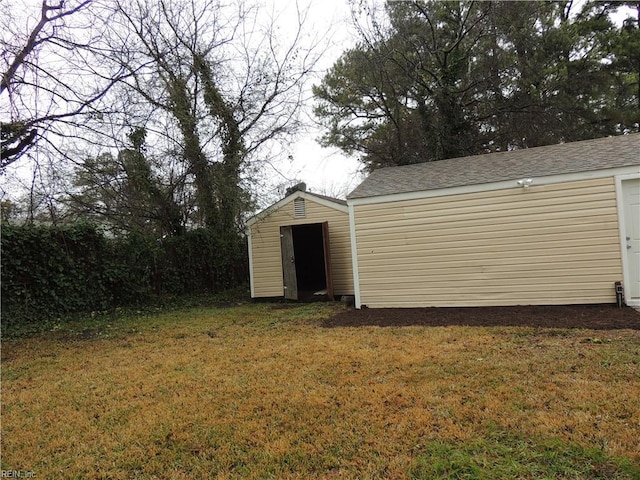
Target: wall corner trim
<point>354,254</point>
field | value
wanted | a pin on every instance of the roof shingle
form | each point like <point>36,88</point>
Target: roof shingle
<point>583,156</point>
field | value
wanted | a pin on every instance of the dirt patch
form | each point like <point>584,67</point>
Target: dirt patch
<point>597,317</point>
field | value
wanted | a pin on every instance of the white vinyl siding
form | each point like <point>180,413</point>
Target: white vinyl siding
<point>265,244</point>
<point>547,244</point>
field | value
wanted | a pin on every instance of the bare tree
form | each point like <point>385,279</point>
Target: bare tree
<point>51,76</point>
<point>213,84</point>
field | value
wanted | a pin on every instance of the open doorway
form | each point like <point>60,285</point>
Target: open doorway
<point>306,261</point>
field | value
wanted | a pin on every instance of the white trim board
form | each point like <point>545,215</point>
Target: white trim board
<point>487,187</point>
<point>250,248</point>
<point>354,256</point>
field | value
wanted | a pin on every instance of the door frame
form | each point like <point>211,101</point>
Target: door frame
<point>626,279</point>
<point>289,277</point>
<point>328,270</point>
<point>287,251</point>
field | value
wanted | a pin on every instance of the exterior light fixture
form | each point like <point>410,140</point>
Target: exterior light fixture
<point>525,182</point>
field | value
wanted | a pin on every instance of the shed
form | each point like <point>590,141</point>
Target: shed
<point>300,248</point>
<point>548,225</point>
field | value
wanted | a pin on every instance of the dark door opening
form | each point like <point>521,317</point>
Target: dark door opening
<point>306,261</point>
<point>309,255</point>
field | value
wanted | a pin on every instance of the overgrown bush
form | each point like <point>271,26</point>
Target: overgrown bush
<point>48,271</point>
<point>198,262</point>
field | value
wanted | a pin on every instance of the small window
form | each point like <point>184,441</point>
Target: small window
<point>299,208</point>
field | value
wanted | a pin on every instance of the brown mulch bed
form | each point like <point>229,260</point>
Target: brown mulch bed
<point>597,317</point>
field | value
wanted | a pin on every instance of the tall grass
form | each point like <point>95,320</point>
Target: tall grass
<point>262,391</point>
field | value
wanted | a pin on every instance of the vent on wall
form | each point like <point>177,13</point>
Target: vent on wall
<point>299,208</point>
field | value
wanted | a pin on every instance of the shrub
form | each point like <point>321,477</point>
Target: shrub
<point>50,271</point>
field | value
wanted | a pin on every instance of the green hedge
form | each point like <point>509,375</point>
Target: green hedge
<point>48,272</point>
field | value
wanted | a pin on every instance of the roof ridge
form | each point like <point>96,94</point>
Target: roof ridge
<point>327,197</point>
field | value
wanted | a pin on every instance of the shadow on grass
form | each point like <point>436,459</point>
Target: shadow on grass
<point>597,317</point>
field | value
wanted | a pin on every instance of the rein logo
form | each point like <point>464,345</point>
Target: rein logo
<point>17,474</point>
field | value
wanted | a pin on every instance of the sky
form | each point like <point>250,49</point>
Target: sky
<point>326,171</point>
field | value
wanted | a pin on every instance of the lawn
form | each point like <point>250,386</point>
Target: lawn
<point>267,391</point>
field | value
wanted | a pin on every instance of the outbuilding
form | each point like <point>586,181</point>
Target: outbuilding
<point>300,248</point>
<point>549,225</point>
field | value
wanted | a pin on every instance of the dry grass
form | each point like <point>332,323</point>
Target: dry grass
<point>261,392</point>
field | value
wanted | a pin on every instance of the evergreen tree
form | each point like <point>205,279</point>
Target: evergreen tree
<point>436,80</point>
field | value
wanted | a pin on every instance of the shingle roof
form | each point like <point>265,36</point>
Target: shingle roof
<point>330,199</point>
<point>584,156</point>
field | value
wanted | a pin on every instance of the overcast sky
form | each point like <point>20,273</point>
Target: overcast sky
<point>325,170</point>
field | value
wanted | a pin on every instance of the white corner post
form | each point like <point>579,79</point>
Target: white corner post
<point>354,254</point>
